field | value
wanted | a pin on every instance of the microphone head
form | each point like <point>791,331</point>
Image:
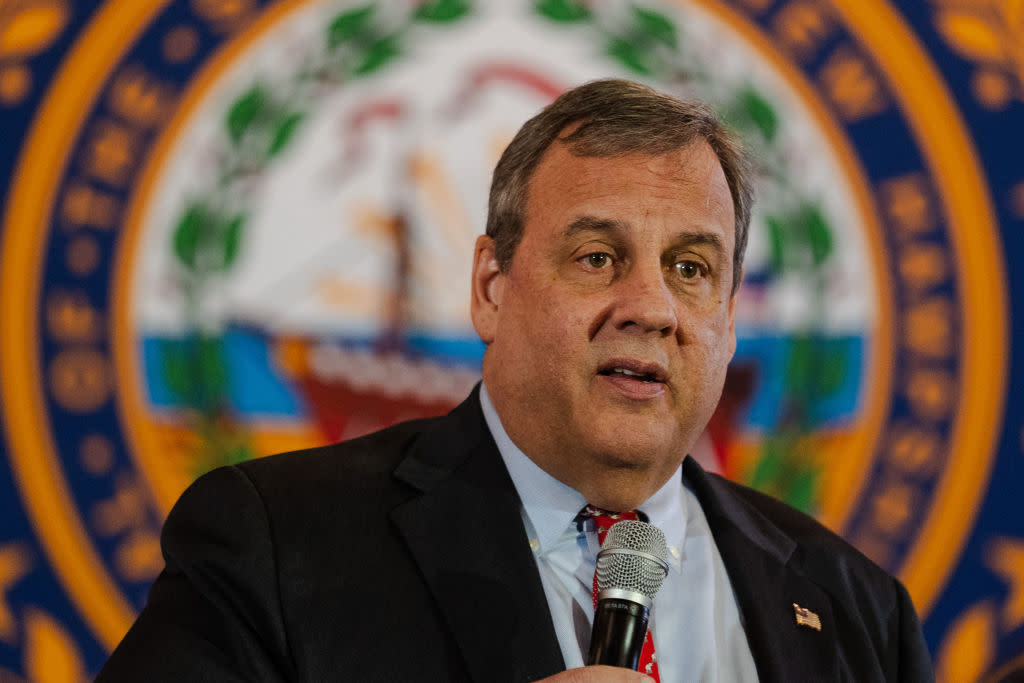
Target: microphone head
<point>633,558</point>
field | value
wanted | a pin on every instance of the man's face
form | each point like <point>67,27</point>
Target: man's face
<point>610,333</point>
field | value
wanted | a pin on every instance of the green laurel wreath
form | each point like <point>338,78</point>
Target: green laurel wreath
<point>259,127</point>
<point>262,122</point>
<point>800,236</point>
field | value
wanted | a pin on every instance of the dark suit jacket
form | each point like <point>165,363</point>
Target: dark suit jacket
<point>401,556</point>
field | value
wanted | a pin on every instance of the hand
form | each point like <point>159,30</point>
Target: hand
<point>599,674</point>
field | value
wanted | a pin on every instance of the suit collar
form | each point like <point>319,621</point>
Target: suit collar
<point>762,562</point>
<point>465,532</point>
<point>445,445</point>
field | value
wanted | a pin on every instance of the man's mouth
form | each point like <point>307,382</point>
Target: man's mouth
<point>636,371</point>
<point>624,372</point>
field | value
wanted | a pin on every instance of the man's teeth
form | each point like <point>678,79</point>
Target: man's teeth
<point>630,373</point>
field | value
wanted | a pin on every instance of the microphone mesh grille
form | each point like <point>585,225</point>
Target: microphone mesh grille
<point>632,572</point>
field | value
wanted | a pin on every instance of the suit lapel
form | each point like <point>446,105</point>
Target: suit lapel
<point>466,534</point>
<point>758,558</point>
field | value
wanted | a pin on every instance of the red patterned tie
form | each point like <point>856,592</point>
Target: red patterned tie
<point>603,521</point>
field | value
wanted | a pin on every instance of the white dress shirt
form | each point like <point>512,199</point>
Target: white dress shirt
<point>695,621</point>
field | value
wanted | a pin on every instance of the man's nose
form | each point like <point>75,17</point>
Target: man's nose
<point>644,303</point>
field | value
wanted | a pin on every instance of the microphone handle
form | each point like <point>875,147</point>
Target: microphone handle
<point>620,627</point>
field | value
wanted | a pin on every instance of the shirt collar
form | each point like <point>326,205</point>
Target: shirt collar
<point>666,509</point>
<point>551,506</point>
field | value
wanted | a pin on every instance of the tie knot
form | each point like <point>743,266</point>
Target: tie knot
<point>604,519</point>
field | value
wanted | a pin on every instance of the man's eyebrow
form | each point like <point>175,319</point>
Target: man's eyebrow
<point>595,224</point>
<point>618,226</point>
<point>690,239</point>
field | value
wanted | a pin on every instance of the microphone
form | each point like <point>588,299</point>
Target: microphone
<point>630,569</point>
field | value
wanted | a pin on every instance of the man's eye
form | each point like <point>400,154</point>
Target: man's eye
<point>689,269</point>
<point>598,259</point>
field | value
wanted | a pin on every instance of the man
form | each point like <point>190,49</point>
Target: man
<point>455,548</point>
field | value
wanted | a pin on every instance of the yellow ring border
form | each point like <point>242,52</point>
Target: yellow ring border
<point>929,109</point>
<point>945,142</point>
<point>146,443</point>
<point>37,471</point>
<point>100,602</point>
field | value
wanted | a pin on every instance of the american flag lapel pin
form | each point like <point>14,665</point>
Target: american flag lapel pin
<point>805,617</point>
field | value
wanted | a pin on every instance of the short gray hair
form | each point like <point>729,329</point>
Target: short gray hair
<point>615,118</point>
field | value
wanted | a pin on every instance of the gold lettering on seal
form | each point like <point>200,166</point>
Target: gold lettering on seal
<point>931,393</point>
<point>82,255</point>
<point>907,202</point>
<point>852,85</point>
<point>139,98</point>
<point>927,328</point>
<point>914,451</point>
<point>71,318</point>
<point>80,380</point>
<point>137,557</point>
<point>923,266</point>
<point>802,27</point>
<point>96,454</point>
<point>111,152</point>
<point>891,510</point>
<point>125,510</point>
<point>85,206</point>
<point>180,44</point>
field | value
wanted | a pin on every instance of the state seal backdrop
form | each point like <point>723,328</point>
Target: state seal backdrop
<point>233,228</point>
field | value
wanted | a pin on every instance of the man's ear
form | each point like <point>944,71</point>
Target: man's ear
<point>488,285</point>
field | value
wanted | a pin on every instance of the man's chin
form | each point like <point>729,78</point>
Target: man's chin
<point>623,481</point>
<point>628,448</point>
